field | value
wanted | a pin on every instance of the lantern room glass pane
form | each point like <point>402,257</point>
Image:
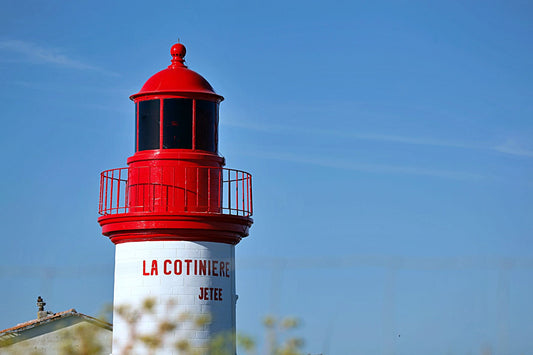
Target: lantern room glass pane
<point>177,123</point>
<point>206,125</point>
<point>148,125</point>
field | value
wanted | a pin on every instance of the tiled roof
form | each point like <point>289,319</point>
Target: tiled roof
<point>52,317</point>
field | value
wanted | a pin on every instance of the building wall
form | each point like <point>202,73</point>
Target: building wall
<point>51,338</point>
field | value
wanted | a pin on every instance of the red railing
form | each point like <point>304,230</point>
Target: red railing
<point>175,189</point>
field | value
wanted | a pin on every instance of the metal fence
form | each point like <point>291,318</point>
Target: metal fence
<point>169,189</point>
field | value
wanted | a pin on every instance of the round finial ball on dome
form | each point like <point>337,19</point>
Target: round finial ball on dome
<point>178,50</point>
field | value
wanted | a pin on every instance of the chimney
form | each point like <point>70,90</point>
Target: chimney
<point>41,313</point>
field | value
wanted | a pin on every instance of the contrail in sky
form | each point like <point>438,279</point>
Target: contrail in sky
<point>35,53</point>
<point>509,147</point>
<point>368,168</point>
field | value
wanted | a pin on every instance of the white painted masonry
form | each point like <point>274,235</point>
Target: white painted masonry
<point>172,273</point>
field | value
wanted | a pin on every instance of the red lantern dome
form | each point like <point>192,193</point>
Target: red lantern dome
<point>177,79</point>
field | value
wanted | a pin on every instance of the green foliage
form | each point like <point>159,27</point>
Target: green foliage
<point>245,342</point>
<point>278,340</point>
<point>84,340</point>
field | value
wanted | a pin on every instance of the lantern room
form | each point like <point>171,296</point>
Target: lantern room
<point>176,109</point>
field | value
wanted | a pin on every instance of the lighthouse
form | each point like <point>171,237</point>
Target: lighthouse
<point>175,214</point>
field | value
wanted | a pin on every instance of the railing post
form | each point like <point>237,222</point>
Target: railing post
<point>111,193</point>
<point>242,193</point>
<point>247,194</point>
<point>209,189</point>
<point>127,189</point>
<point>118,188</point>
<point>101,193</point>
<point>236,172</point>
<point>229,191</point>
<point>174,189</point>
<point>251,211</point>
<point>185,191</point>
<point>220,190</point>
<point>105,200</point>
<point>197,187</point>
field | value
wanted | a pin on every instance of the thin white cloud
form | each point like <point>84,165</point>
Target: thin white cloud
<point>254,126</point>
<point>509,147</point>
<point>47,86</point>
<point>408,140</point>
<point>34,53</point>
<point>513,148</point>
<point>367,168</point>
<point>347,134</point>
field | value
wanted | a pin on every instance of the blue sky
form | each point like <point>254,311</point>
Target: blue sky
<point>390,144</point>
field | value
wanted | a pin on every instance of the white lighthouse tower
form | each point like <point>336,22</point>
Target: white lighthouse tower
<point>175,215</point>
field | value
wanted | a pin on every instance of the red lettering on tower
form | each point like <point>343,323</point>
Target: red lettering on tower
<point>145,273</point>
<point>177,270</point>
<point>154,268</point>
<point>210,294</point>
<point>165,270</point>
<point>222,269</point>
<point>188,262</point>
<point>202,269</point>
<point>215,268</point>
